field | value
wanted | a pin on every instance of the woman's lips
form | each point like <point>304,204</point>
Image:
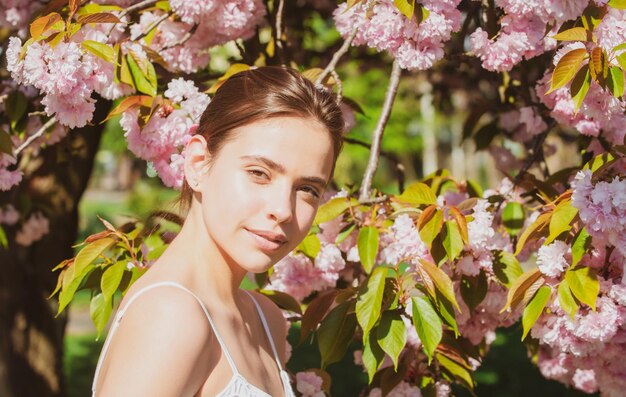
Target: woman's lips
<point>264,242</point>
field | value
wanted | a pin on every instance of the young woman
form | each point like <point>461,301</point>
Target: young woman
<point>255,170</point>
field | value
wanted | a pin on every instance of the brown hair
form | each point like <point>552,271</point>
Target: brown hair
<point>261,93</point>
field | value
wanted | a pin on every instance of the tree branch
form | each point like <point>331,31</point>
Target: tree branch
<point>153,26</point>
<point>399,167</point>
<point>279,25</point>
<point>138,6</point>
<point>183,39</point>
<point>336,56</point>
<point>390,96</point>
<point>36,135</point>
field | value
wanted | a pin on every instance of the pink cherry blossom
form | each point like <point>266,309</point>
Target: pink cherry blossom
<point>551,259</point>
<point>309,384</point>
<point>35,227</point>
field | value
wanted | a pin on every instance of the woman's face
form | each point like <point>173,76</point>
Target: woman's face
<point>261,193</point>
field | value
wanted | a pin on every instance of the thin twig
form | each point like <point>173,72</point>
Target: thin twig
<point>38,113</point>
<point>536,155</point>
<point>128,10</point>
<point>336,56</point>
<point>36,135</point>
<point>153,26</point>
<point>183,40</point>
<point>137,6</point>
<point>339,94</point>
<point>374,200</point>
<point>279,25</point>
<point>390,96</point>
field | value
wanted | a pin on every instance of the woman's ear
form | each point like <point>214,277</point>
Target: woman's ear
<point>196,160</point>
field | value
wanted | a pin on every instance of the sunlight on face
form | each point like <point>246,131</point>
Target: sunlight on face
<point>266,184</point>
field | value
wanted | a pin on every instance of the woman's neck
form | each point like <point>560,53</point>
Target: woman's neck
<point>201,264</point>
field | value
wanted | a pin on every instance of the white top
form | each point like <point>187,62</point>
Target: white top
<point>238,385</point>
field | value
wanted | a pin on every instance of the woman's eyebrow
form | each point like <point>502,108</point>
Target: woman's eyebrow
<point>281,169</point>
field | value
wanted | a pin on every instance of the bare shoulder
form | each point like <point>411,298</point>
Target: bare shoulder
<point>275,320</point>
<point>160,346</point>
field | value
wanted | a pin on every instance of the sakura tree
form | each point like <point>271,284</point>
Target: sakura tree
<point>419,280</point>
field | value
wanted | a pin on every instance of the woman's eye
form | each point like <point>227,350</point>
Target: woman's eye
<point>258,174</point>
<point>311,190</point>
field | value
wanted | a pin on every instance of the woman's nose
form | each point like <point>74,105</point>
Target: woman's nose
<point>280,205</point>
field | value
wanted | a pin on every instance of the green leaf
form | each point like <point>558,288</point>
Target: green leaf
<point>370,299</point>
<point>100,50</point>
<point>580,86</point>
<point>310,246</point>
<point>584,284</point>
<point>513,216</point>
<point>616,81</point>
<point>561,218</point>
<point>619,47</point>
<point>98,17</point>
<point>567,67</point>
<point>573,34</point>
<point>315,312</point>
<point>599,161</point>
<point>618,4</point>
<point>506,268</point>
<point>6,144</point>
<point>427,324</point>
<point>452,240</point>
<point>391,335</point>
<point>580,245</point>
<point>442,282</point>
<point>520,286</point>
<point>418,193</point>
<point>566,299</point>
<point>456,371</point>
<point>535,231</point>
<point>335,333</point>
<point>3,238</point>
<point>15,106</point>
<point>333,208</point>
<point>429,224</point>
<point>100,309</point>
<point>144,76</point>
<point>111,279</point>
<point>372,356</point>
<point>446,312</point>
<point>40,25</point>
<point>90,253</point>
<point>621,59</point>
<point>534,309</point>
<point>344,234</point>
<point>474,289</point>
<point>71,282</point>
<point>368,247</point>
<point>406,7</point>
<point>283,300</point>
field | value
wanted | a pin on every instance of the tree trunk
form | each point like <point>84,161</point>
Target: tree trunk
<point>31,338</point>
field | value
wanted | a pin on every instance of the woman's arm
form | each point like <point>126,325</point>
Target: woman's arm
<point>161,347</point>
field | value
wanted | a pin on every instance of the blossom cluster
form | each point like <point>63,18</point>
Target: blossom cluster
<point>162,139</point>
<point>585,349</point>
<point>66,75</point>
<point>415,46</point>
<point>184,43</point>
<point>602,208</point>
<point>301,276</point>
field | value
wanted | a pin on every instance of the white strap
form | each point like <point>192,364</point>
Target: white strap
<point>120,314</point>
<point>267,330</point>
